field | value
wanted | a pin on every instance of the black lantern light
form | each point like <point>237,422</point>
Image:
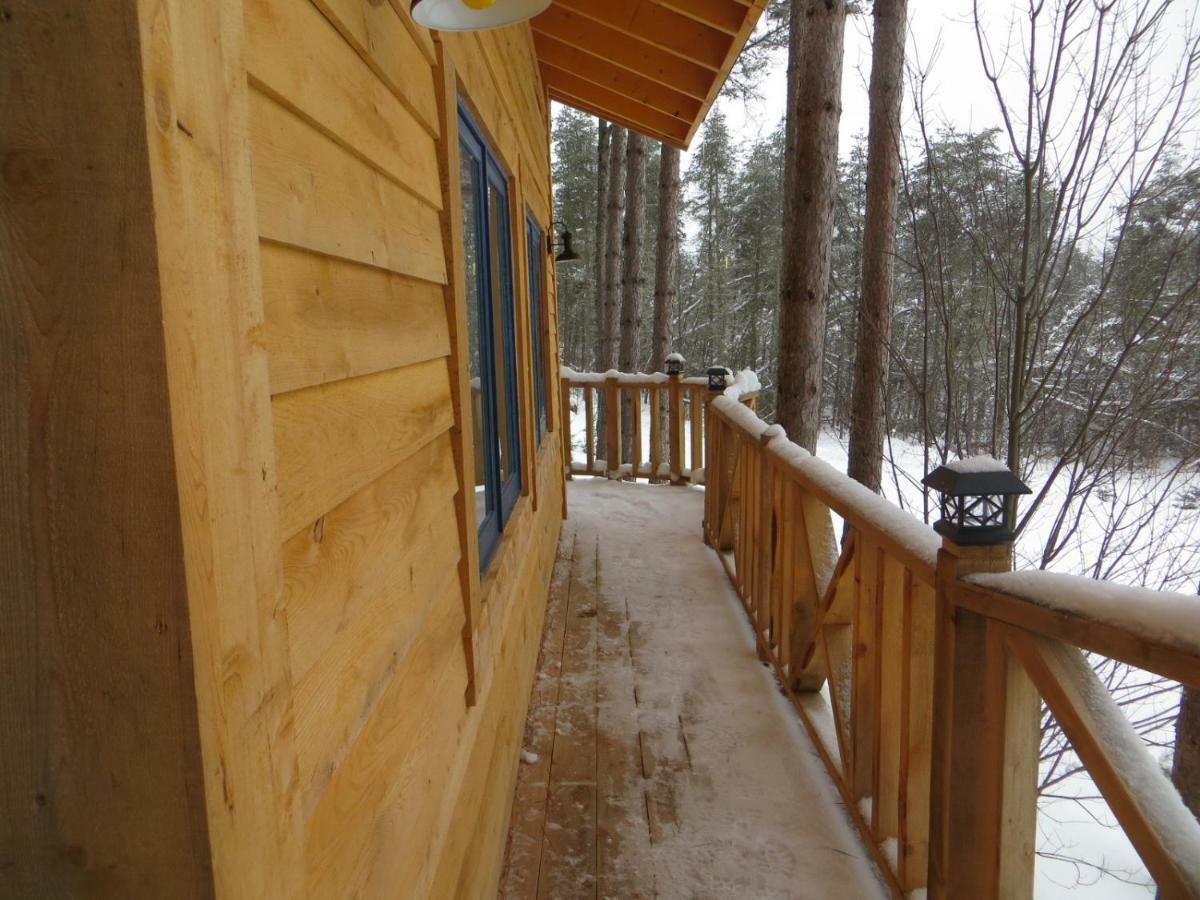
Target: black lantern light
<point>718,378</point>
<point>474,15</point>
<point>674,364</point>
<point>567,254</point>
<point>975,500</point>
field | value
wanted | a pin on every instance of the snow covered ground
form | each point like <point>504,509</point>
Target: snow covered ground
<point>1082,852</point>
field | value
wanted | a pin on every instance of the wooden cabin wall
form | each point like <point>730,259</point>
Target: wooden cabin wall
<point>275,460</point>
<point>399,777</point>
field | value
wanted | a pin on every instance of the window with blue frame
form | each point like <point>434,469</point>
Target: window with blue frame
<point>491,335</point>
<point>537,323</point>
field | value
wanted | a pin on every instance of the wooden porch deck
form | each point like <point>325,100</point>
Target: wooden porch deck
<point>660,758</point>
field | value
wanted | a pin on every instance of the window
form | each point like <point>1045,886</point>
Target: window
<point>491,336</point>
<point>537,323</point>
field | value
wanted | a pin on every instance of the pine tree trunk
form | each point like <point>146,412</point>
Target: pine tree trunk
<point>1185,768</point>
<point>879,243</point>
<point>810,177</point>
<point>666,276</point>
<point>607,337</point>
<point>598,259</point>
<point>632,276</point>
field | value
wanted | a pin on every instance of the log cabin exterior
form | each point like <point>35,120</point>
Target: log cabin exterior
<point>283,440</point>
<point>254,644</point>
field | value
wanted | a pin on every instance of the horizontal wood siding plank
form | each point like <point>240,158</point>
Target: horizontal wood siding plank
<point>337,696</point>
<point>333,440</point>
<point>380,37</point>
<point>329,319</point>
<point>355,556</point>
<point>295,54</point>
<point>313,194</point>
<point>396,769</point>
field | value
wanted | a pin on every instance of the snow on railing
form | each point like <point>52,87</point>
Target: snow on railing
<point>920,657</point>
<point>855,503</point>
<point>618,440</point>
<point>1162,617</point>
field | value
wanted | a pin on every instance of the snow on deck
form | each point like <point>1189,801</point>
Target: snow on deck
<point>660,758</point>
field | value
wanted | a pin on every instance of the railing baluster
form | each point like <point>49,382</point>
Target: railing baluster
<point>886,809</point>
<point>763,519</point>
<point>675,428</point>
<point>612,425</point>
<point>866,670</point>
<point>916,705</point>
<point>564,393</point>
<point>697,403</point>
<point>653,396</point>
<point>635,419</point>
<point>589,414</point>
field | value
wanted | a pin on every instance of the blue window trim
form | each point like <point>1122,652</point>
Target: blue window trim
<point>534,241</point>
<point>496,349</point>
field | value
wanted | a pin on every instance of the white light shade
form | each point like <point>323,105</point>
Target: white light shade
<point>474,15</point>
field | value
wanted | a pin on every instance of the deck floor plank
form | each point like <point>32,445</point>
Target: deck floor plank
<point>667,763</point>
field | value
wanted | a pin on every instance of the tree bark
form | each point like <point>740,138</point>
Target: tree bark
<point>607,338</point>
<point>1185,770</point>
<point>666,275</point>
<point>633,281</point>
<point>810,173</point>
<point>598,259</point>
<point>879,243</point>
<point>1185,767</point>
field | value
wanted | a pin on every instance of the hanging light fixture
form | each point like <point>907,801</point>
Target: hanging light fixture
<point>474,15</point>
<point>567,254</point>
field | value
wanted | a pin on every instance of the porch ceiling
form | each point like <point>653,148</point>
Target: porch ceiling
<point>652,65</point>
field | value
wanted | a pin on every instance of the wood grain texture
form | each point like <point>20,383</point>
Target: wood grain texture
<point>101,790</point>
<point>220,409</point>
<point>327,319</point>
<point>335,439</point>
<point>313,194</point>
<point>378,33</point>
<point>297,56</point>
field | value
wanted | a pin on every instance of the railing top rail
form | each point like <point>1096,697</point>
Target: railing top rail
<point>911,540</point>
<point>1158,631</point>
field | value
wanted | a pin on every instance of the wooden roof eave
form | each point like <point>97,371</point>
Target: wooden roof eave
<point>655,66</point>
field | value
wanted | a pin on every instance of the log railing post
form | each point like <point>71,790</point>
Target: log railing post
<point>764,554</point>
<point>986,722</point>
<point>612,425</point>
<point>567,449</point>
<point>675,427</point>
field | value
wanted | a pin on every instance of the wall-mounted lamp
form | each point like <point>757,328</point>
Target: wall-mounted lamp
<point>567,254</point>
<point>474,15</point>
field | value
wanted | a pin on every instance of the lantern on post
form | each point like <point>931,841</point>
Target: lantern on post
<point>976,502</point>
<point>718,378</point>
<point>674,364</point>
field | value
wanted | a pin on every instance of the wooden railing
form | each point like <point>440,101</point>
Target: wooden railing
<point>671,448</point>
<point>933,670</point>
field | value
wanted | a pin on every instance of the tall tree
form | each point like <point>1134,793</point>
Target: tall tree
<point>879,244</point>
<point>607,338</point>
<point>633,281</point>
<point>666,272</point>
<point>817,34</point>
<point>603,139</point>
<point>702,335</point>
